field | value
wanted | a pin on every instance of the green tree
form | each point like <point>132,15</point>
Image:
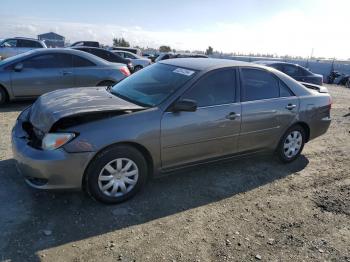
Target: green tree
<point>209,51</point>
<point>121,42</point>
<point>164,48</point>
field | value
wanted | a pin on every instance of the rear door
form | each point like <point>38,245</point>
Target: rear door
<point>212,130</point>
<point>268,108</point>
<point>41,74</point>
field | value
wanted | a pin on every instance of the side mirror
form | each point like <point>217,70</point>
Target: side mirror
<point>185,105</point>
<point>18,67</point>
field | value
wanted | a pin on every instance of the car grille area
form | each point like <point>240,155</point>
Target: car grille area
<point>34,135</point>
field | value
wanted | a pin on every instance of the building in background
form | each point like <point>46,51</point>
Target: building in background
<point>52,39</point>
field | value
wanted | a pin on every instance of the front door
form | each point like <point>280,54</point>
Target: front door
<point>41,74</point>
<point>268,107</point>
<point>212,130</point>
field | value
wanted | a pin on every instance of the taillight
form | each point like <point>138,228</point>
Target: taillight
<point>124,70</point>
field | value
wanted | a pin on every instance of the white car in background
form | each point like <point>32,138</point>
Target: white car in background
<point>137,61</point>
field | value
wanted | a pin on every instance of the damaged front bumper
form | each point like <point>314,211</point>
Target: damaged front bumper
<point>44,169</point>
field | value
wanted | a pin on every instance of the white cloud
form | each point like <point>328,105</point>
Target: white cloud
<point>292,32</point>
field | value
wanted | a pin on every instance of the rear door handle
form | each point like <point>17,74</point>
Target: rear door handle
<point>291,106</point>
<point>232,116</point>
<point>66,73</point>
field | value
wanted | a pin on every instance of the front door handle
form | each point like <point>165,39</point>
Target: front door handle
<point>291,106</point>
<point>232,116</point>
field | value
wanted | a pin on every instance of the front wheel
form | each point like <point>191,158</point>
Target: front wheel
<point>116,174</point>
<point>291,144</point>
<point>137,68</point>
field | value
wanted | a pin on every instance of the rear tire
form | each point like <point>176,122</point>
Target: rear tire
<point>106,83</point>
<point>291,144</point>
<point>116,174</point>
<point>3,96</point>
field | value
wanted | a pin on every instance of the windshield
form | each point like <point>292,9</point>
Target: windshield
<point>153,84</point>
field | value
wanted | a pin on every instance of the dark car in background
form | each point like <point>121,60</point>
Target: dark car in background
<point>86,43</point>
<point>295,71</point>
<point>165,56</point>
<point>17,45</point>
<point>107,55</point>
<point>169,115</point>
<point>133,50</point>
<point>36,72</point>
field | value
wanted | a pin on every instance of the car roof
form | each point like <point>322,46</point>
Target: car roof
<point>23,38</point>
<point>95,59</point>
<point>267,62</point>
<point>203,64</point>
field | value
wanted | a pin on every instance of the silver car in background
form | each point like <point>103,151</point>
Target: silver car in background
<point>36,72</point>
<point>173,114</point>
<point>137,61</point>
<point>17,45</point>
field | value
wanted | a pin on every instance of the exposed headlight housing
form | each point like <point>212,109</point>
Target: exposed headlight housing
<point>52,141</point>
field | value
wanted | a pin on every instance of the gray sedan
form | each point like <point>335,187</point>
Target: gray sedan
<point>40,71</point>
<point>170,115</point>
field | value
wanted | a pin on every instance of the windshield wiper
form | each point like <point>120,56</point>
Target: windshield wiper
<point>129,99</point>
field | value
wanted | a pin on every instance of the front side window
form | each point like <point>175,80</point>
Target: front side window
<point>48,61</point>
<point>216,88</point>
<point>258,85</point>
<point>9,43</point>
<point>153,84</point>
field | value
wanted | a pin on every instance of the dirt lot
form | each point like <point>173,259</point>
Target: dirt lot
<point>243,210</point>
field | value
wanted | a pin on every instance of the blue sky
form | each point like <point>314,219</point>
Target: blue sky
<point>265,26</point>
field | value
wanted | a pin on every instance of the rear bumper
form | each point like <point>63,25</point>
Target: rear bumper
<point>55,169</point>
<point>320,127</point>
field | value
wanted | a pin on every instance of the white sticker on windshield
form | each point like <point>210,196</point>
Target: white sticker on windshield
<point>183,71</point>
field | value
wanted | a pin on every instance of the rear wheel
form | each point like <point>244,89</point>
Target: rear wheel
<point>291,144</point>
<point>106,83</point>
<point>116,174</point>
<point>3,96</point>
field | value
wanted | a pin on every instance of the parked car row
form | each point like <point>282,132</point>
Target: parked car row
<point>36,72</point>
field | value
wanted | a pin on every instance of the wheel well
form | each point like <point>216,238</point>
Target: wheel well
<point>102,83</point>
<point>142,149</point>
<point>306,129</point>
<point>6,93</point>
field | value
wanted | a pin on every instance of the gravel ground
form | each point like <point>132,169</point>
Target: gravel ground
<point>244,210</point>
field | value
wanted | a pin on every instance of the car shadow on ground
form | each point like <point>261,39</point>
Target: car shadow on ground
<point>16,106</point>
<point>73,216</point>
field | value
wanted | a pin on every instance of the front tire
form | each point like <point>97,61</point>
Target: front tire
<point>3,96</point>
<point>116,174</point>
<point>291,144</point>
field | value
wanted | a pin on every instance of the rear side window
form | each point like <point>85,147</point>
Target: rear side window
<point>284,90</point>
<point>258,85</point>
<point>81,62</point>
<point>216,88</point>
<point>291,70</point>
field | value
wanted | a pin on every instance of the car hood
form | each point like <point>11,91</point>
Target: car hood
<point>53,106</point>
